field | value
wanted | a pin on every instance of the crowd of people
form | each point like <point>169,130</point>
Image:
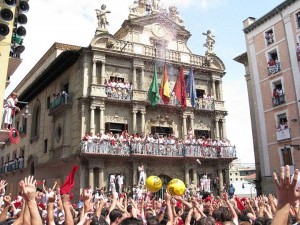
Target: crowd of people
<point>117,89</point>
<point>155,144</point>
<point>42,205</point>
<point>11,165</point>
<point>62,94</point>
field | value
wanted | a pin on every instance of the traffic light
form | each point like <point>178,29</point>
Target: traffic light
<point>7,9</point>
<point>19,30</point>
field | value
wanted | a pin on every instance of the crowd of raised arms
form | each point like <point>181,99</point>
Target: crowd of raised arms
<point>34,206</point>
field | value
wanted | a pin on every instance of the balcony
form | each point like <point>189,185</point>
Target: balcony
<point>278,100</point>
<point>272,69</point>
<point>205,104</point>
<point>154,149</point>
<point>121,94</point>
<point>59,104</point>
<point>283,134</point>
<point>13,165</point>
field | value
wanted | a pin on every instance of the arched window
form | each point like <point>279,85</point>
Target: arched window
<point>35,123</point>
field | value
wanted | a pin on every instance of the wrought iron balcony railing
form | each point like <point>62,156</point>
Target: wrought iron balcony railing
<point>61,99</point>
<point>274,68</point>
<point>156,149</point>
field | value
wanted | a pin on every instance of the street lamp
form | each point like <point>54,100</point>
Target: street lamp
<point>26,113</point>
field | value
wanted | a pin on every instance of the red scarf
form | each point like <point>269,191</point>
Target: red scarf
<point>69,182</point>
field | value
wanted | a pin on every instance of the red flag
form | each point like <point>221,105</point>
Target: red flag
<point>179,89</point>
<point>240,205</point>
<point>164,90</point>
<point>38,182</point>
<point>69,182</point>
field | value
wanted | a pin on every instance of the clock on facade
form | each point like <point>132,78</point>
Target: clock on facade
<point>158,30</point>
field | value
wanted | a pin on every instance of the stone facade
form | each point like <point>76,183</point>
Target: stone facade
<point>51,137</point>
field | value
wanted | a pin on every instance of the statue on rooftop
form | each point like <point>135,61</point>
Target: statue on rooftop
<point>133,9</point>
<point>102,18</point>
<point>174,15</point>
<point>155,6</point>
<point>210,42</point>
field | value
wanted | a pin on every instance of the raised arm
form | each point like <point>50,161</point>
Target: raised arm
<point>286,193</point>
<point>66,205</point>
<point>28,188</point>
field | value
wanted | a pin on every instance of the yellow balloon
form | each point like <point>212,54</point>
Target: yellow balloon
<point>153,183</point>
<point>176,187</point>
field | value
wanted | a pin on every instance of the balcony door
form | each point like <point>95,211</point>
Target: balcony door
<point>165,131</point>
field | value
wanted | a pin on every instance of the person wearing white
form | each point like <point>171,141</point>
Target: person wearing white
<point>120,179</point>
<point>141,175</point>
<point>9,109</point>
<point>112,184</point>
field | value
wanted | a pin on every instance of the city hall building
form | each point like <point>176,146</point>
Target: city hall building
<point>75,92</point>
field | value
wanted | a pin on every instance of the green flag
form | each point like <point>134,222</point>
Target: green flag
<point>153,92</point>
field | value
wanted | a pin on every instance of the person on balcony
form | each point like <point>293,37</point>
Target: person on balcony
<point>9,110</point>
<point>64,96</point>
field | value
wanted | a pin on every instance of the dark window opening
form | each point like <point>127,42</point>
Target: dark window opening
<point>162,130</point>
<point>119,79</point>
<point>202,133</point>
<point>287,156</point>
<point>48,102</point>
<point>115,128</point>
<point>200,93</point>
<point>45,145</point>
<point>298,19</point>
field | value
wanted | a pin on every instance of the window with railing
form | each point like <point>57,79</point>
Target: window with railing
<point>278,96</point>
<point>118,89</point>
<point>269,36</point>
<point>273,63</point>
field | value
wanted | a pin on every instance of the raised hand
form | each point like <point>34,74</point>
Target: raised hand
<point>286,190</point>
<point>28,188</point>
<point>2,187</point>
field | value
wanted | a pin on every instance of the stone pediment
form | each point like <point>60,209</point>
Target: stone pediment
<point>137,24</point>
<point>103,40</point>
<point>214,62</point>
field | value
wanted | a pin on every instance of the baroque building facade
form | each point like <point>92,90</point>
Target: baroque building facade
<point>272,75</point>
<point>51,138</point>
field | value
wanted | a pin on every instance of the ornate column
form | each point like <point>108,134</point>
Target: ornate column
<point>94,77</point>
<point>101,178</point>
<point>142,78</point>
<point>143,122</point>
<point>102,72</point>
<point>213,84</point>
<point>92,119</point>
<point>184,130</point>
<point>220,90</point>
<point>134,112</point>
<point>192,123</point>
<point>186,175</point>
<point>134,77</point>
<point>217,133</point>
<point>224,134</point>
<point>102,120</point>
<point>91,178</point>
<point>221,185</point>
<point>195,177</point>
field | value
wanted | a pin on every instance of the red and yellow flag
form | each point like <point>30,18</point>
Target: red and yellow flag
<point>164,90</point>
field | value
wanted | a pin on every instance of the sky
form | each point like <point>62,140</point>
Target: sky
<point>74,22</point>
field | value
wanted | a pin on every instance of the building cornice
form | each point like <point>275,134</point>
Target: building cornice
<point>268,16</point>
